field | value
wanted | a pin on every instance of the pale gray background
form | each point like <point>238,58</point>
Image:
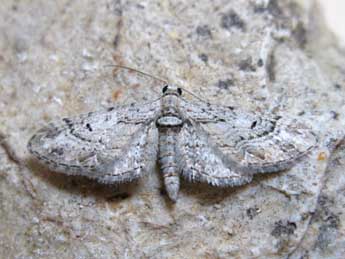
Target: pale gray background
<point>334,11</point>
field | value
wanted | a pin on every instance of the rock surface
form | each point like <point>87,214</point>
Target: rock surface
<point>262,55</point>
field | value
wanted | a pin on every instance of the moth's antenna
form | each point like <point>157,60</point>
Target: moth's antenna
<point>138,71</point>
<point>194,95</point>
<point>156,78</point>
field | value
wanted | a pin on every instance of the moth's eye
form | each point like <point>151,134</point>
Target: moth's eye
<point>179,91</point>
<point>165,88</point>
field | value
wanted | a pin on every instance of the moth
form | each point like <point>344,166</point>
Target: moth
<point>202,142</point>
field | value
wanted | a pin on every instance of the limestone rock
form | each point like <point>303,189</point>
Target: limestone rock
<point>270,56</point>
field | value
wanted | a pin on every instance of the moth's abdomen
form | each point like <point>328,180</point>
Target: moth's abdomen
<point>167,161</point>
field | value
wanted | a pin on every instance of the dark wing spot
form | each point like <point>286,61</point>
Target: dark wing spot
<point>57,151</point>
<point>88,126</point>
<point>253,125</point>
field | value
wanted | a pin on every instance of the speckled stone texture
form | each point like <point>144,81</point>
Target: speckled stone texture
<point>270,56</point>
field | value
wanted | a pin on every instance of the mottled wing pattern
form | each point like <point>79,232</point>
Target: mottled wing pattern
<point>202,161</point>
<point>253,142</point>
<point>112,145</point>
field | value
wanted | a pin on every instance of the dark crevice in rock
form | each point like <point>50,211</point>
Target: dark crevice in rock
<point>117,38</point>
<point>322,212</point>
<point>119,12</point>
<point>300,35</point>
<point>9,150</point>
<point>329,222</point>
<point>270,67</point>
<point>118,196</point>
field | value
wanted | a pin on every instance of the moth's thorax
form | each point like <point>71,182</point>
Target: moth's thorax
<point>169,104</point>
<point>170,115</point>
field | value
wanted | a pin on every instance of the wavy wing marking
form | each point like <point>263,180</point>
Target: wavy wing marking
<point>112,145</point>
<point>256,143</point>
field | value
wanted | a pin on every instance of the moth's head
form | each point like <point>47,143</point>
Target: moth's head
<point>172,89</point>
